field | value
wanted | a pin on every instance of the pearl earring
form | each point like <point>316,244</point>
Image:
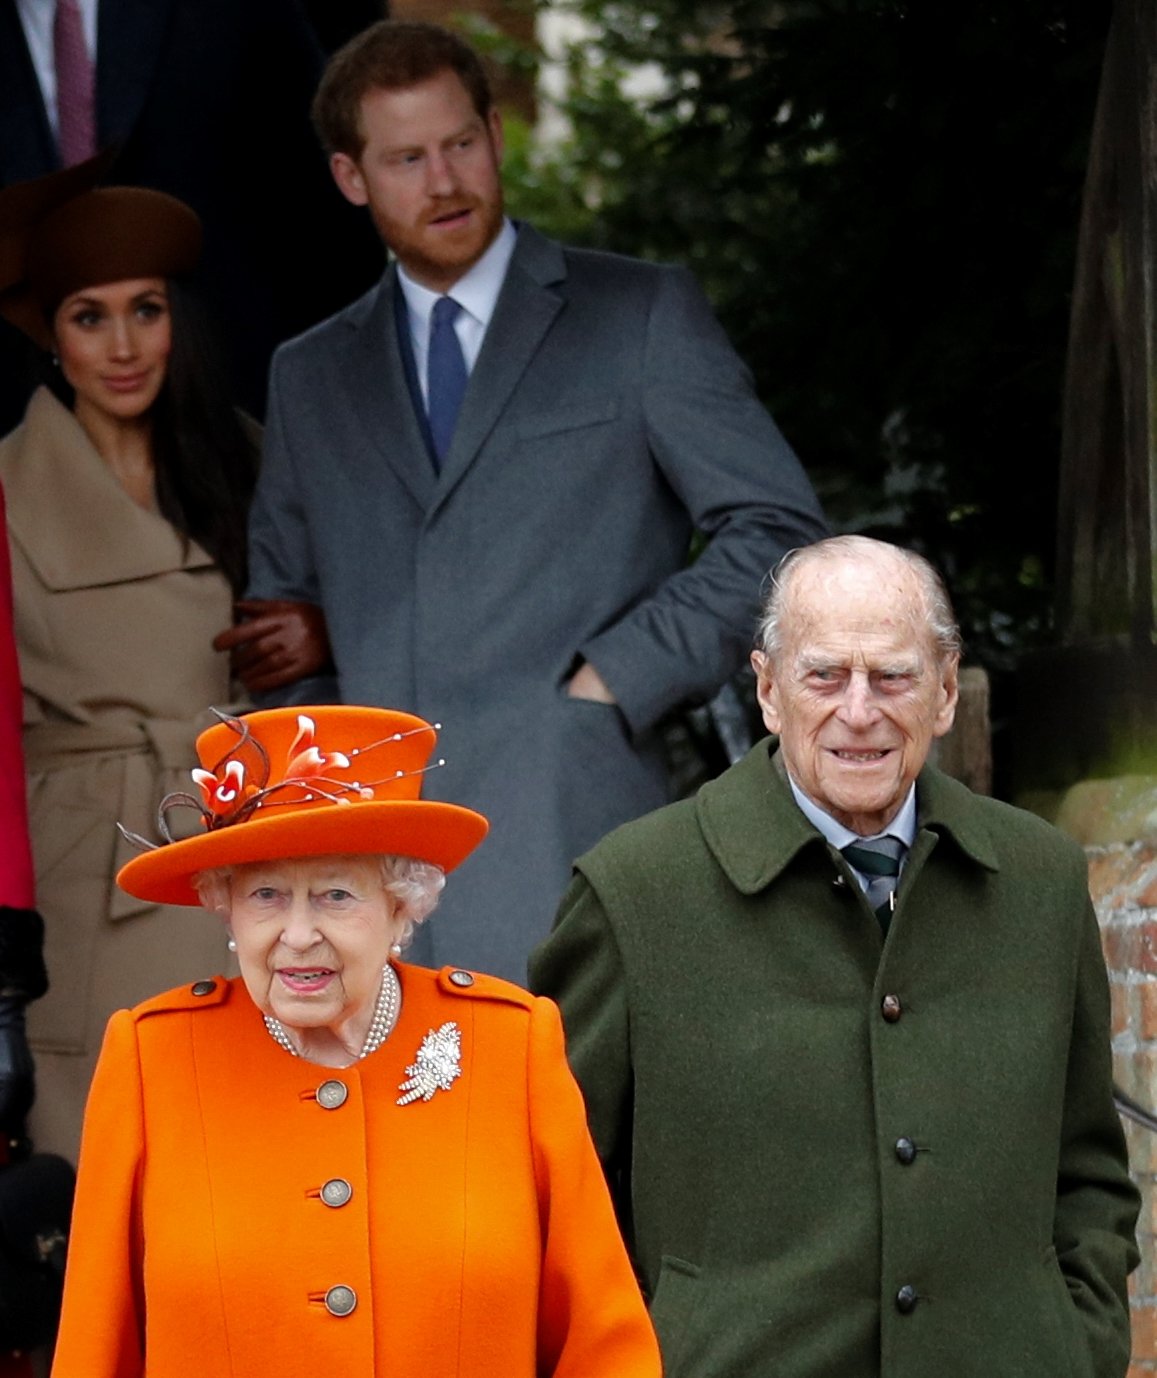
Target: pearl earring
<point>395,949</point>
<point>232,944</point>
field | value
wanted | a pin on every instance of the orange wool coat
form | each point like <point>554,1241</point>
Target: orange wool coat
<point>479,1237</point>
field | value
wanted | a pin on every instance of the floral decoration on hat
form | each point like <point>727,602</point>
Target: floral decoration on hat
<point>228,798</point>
<point>329,780</point>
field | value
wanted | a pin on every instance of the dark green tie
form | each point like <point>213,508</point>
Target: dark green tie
<point>879,861</point>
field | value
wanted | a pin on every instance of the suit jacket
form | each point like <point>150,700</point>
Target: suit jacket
<point>606,418</point>
<point>209,101</point>
<point>802,1119</point>
<point>478,1238</point>
<point>114,615</point>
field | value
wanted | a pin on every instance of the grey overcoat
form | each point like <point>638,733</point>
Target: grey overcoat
<point>839,1158</point>
<point>606,418</point>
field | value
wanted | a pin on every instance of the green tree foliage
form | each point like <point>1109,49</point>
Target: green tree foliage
<point>882,200</point>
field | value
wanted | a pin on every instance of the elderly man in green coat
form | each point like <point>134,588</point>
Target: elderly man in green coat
<point>843,1030</point>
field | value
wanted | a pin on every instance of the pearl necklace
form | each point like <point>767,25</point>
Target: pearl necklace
<point>385,1015</point>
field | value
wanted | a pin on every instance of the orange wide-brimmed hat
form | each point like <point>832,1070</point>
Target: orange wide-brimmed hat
<point>302,782</point>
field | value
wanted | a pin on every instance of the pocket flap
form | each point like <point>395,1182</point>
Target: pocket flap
<point>569,418</point>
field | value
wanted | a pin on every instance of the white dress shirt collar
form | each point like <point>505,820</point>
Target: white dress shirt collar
<point>476,291</point>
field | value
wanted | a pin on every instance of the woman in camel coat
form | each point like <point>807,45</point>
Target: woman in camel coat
<point>339,1163</point>
<point>127,486</point>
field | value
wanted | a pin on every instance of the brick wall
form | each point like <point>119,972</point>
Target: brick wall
<point>1123,883</point>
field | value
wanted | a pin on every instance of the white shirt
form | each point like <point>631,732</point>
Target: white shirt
<point>476,292</point>
<point>36,17</point>
<point>903,826</point>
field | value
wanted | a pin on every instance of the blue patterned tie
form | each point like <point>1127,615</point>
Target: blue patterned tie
<point>879,862</point>
<point>446,375</point>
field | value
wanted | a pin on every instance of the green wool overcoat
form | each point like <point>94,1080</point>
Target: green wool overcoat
<point>837,1156</point>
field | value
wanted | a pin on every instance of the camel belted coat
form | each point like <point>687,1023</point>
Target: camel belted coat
<point>114,616</point>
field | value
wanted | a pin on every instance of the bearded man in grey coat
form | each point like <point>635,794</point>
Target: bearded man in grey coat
<point>843,1030</point>
<point>486,475</point>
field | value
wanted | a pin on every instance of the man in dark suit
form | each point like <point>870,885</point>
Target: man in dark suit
<point>209,101</point>
<point>487,472</point>
<point>842,1028</point>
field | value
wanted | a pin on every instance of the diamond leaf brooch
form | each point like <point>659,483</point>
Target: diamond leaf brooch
<point>437,1066</point>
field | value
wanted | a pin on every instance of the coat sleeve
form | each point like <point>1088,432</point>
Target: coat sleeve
<point>282,563</point>
<point>580,967</point>
<point>281,560</point>
<point>1097,1203</point>
<point>592,1322</point>
<point>103,1318</point>
<point>742,487</point>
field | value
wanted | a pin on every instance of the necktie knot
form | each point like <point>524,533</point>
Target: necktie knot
<point>881,856</point>
<point>446,375</point>
<point>445,312</point>
<point>878,860</point>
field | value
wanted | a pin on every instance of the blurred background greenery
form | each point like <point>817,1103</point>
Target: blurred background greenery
<point>882,200</point>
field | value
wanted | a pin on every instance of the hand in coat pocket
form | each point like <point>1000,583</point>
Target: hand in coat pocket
<point>587,683</point>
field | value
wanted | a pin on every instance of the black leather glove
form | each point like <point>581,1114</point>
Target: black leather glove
<point>17,1075</point>
<point>22,978</point>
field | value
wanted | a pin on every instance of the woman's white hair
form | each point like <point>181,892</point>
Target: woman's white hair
<point>415,886</point>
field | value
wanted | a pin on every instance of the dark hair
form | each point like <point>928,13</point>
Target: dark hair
<point>205,463</point>
<point>390,56</point>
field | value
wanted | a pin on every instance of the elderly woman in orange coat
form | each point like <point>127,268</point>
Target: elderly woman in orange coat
<point>337,1163</point>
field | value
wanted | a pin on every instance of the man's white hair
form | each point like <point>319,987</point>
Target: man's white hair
<point>941,620</point>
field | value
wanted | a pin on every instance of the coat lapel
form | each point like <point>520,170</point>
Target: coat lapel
<point>129,37</point>
<point>947,807</point>
<point>27,148</point>
<point>526,309</point>
<point>374,376</point>
<point>751,822</point>
<point>68,543</point>
<point>754,828</point>
<point>410,367</point>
